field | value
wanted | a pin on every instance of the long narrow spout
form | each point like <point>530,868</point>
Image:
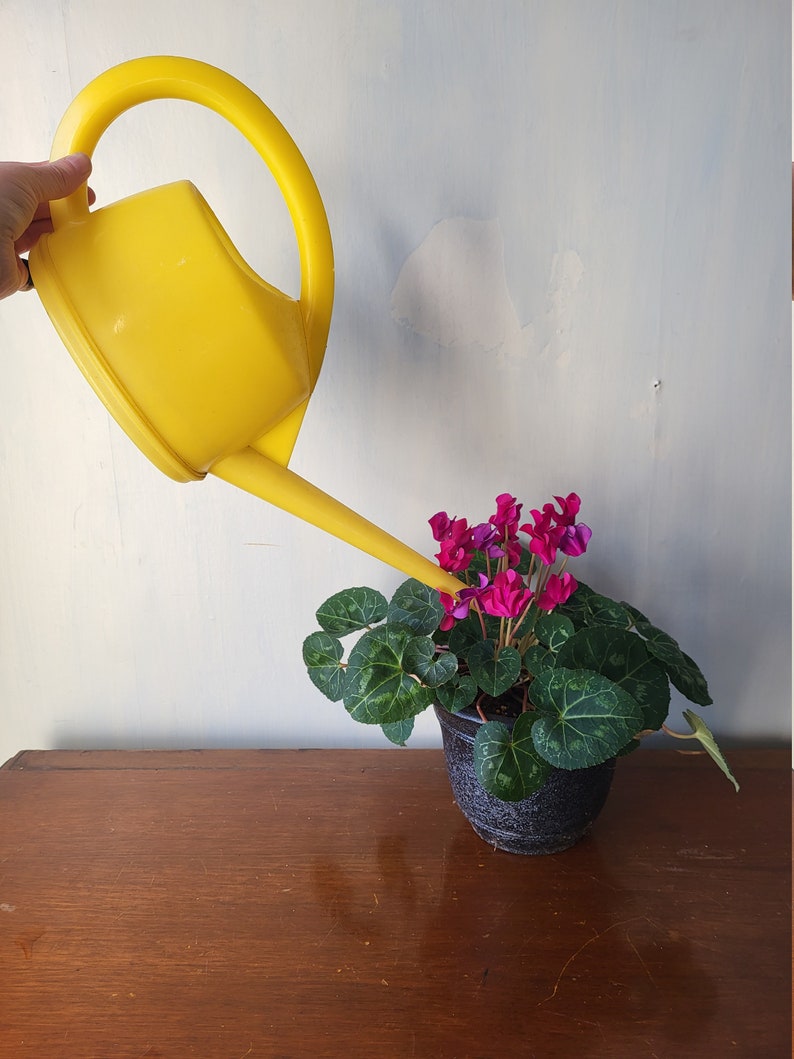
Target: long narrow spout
<point>256,474</point>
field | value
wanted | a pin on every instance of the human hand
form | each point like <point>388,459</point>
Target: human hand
<point>26,189</point>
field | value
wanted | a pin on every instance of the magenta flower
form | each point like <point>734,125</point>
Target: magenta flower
<point>455,537</point>
<point>508,512</point>
<point>543,537</point>
<point>453,556</point>
<point>512,549</point>
<point>457,608</point>
<point>454,610</point>
<point>443,526</point>
<point>569,509</point>
<point>507,596</point>
<point>574,539</point>
<point>557,590</point>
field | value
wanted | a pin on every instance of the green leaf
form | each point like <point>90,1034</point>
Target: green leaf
<point>494,675</point>
<point>682,670</point>
<point>378,689</point>
<point>575,607</point>
<point>466,633</point>
<point>622,657</point>
<point>417,606</point>
<point>508,765</point>
<point>322,654</point>
<point>633,613</point>
<point>601,610</point>
<point>704,736</point>
<point>584,718</point>
<point>538,660</point>
<point>351,609</point>
<point>422,660</point>
<point>459,693</point>
<point>553,630</point>
<point>399,731</point>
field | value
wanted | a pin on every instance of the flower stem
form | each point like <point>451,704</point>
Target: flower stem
<point>678,735</point>
<point>478,707</point>
<point>521,616</point>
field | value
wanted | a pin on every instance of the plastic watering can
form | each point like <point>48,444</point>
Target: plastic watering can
<point>203,364</point>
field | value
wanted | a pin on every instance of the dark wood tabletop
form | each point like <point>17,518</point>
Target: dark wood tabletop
<point>330,903</point>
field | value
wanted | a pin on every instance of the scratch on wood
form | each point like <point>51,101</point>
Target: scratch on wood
<point>636,952</point>
<point>325,937</point>
<point>581,949</point>
<point>27,941</point>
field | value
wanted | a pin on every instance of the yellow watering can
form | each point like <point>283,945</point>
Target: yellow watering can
<point>205,366</point>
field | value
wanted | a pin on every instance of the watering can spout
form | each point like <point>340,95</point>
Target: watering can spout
<point>256,473</point>
<point>207,367</point>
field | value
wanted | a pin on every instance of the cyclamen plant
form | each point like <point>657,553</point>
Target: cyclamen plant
<point>560,675</point>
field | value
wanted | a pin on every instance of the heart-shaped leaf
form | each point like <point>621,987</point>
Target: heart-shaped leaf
<point>601,610</point>
<point>322,654</point>
<point>378,689</point>
<point>575,607</point>
<point>417,606</point>
<point>494,674</point>
<point>704,736</point>
<point>584,717</point>
<point>432,668</point>
<point>458,693</point>
<point>466,633</point>
<point>682,670</point>
<point>622,657</point>
<point>352,609</point>
<point>508,765</point>
<point>633,613</point>
<point>537,659</point>
<point>399,731</point>
<point>553,630</point>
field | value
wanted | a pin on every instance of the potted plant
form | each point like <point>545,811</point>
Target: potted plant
<point>539,682</point>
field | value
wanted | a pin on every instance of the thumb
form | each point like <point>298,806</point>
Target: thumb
<point>57,179</point>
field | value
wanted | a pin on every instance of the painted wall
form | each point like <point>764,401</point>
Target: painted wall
<point>562,264</point>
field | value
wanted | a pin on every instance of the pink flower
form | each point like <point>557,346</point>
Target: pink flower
<point>453,557</point>
<point>512,549</point>
<point>455,536</point>
<point>569,509</point>
<point>543,537</point>
<point>454,610</point>
<point>457,608</point>
<point>442,525</point>
<point>507,597</point>
<point>557,590</point>
<point>508,512</point>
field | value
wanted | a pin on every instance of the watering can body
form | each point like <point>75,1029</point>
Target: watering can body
<point>206,367</point>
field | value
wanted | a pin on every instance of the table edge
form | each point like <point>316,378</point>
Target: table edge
<point>390,757</point>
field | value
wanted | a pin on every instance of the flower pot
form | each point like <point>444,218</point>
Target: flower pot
<point>550,820</point>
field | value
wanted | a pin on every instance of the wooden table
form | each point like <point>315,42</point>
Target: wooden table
<point>284,904</point>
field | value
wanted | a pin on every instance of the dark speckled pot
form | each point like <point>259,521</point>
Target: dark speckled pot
<point>548,821</point>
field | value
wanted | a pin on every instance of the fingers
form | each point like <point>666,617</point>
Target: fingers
<point>43,208</point>
<point>26,191</point>
<point>55,180</point>
<point>32,234</point>
<point>12,278</point>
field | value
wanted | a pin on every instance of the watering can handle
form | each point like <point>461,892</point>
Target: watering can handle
<point>173,77</point>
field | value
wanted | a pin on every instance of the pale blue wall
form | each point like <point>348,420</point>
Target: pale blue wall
<point>540,210</point>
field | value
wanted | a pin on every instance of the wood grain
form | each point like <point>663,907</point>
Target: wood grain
<point>284,904</point>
